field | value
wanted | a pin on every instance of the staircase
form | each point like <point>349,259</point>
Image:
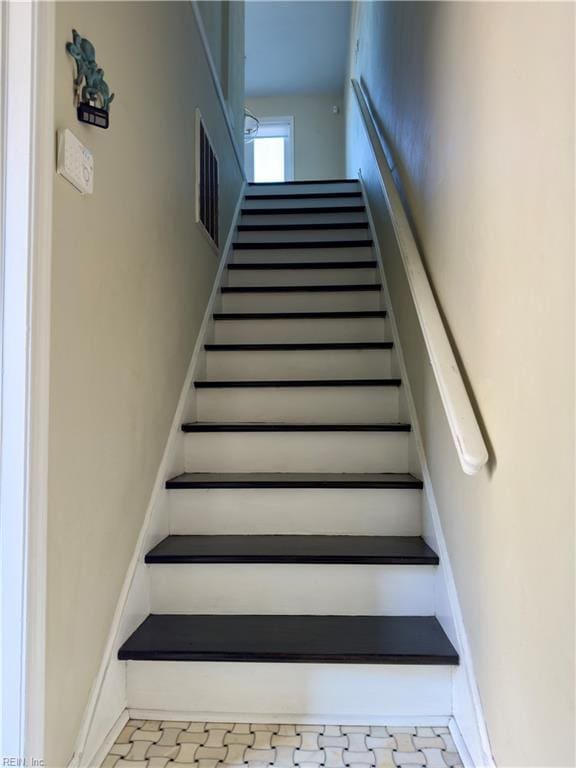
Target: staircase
<point>295,582</point>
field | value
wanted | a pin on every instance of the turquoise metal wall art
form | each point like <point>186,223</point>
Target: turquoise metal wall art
<point>91,92</point>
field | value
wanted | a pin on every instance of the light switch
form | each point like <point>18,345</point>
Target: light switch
<point>75,162</point>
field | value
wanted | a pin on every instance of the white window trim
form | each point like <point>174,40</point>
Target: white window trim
<point>289,157</point>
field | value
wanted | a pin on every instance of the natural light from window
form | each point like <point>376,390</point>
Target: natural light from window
<point>269,161</point>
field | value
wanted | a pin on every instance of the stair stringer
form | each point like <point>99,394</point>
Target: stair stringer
<point>467,725</point>
<point>106,711</point>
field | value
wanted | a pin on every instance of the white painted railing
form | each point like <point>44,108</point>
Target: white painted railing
<point>464,427</point>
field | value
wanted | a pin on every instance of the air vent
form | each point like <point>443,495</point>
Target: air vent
<point>206,182</point>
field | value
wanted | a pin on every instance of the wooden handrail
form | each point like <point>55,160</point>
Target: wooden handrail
<point>466,433</point>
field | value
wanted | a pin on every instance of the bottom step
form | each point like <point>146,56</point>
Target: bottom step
<point>410,674</point>
<point>289,693</point>
<point>326,639</point>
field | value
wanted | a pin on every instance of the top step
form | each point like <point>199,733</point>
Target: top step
<point>301,195</point>
<point>300,181</point>
<point>297,205</point>
<point>310,187</point>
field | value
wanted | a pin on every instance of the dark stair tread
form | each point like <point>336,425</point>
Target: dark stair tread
<point>368,550</point>
<point>253,426</point>
<point>307,226</point>
<point>276,265</point>
<point>309,244</point>
<point>305,181</point>
<point>294,480</point>
<point>331,315</point>
<point>335,288</point>
<point>302,195</point>
<point>328,639</point>
<point>304,209</point>
<point>293,383</point>
<point>299,347</point>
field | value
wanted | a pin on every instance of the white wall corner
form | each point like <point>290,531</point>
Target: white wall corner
<point>107,702</point>
<point>468,725</point>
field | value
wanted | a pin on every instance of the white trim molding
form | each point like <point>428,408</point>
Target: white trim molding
<point>108,699</point>
<point>468,725</point>
<point>26,168</point>
<point>466,433</point>
<point>187,715</point>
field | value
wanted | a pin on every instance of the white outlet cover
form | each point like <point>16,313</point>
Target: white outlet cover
<point>75,162</point>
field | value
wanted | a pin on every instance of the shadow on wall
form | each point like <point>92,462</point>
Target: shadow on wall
<point>468,95</point>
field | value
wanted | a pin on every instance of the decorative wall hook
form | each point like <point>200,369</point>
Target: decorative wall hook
<point>92,95</point>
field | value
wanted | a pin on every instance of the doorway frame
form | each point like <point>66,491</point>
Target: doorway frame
<point>27,149</point>
<point>289,157</point>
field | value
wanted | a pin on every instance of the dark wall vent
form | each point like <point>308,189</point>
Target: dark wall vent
<point>206,182</point>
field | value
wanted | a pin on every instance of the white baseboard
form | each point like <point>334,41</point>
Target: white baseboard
<point>468,721</point>
<point>108,695</point>
<point>242,717</point>
<point>461,745</point>
<point>107,743</point>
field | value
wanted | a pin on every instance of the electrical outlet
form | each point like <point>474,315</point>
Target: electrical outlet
<point>75,162</point>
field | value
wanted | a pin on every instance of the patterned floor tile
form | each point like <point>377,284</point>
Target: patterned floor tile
<point>158,762</point>
<point>384,758</point>
<point>404,742</point>
<point>356,741</point>
<point>334,757</point>
<point>309,741</point>
<point>183,744</point>
<point>409,758</point>
<point>333,741</point>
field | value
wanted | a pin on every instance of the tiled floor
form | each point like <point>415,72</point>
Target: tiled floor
<point>155,743</point>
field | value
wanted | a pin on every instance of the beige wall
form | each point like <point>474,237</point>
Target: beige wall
<point>131,278</point>
<point>318,132</point>
<point>477,102</point>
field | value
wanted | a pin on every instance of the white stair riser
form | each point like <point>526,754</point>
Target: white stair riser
<point>302,189</point>
<point>352,511</point>
<point>302,301</point>
<point>299,364</point>
<point>302,254</point>
<point>342,691</point>
<point>329,329</point>
<point>289,235</point>
<point>335,202</point>
<point>297,452</point>
<point>301,276</point>
<point>303,218</point>
<point>300,404</point>
<point>295,589</point>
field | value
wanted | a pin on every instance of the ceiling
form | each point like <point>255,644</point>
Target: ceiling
<point>296,47</point>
